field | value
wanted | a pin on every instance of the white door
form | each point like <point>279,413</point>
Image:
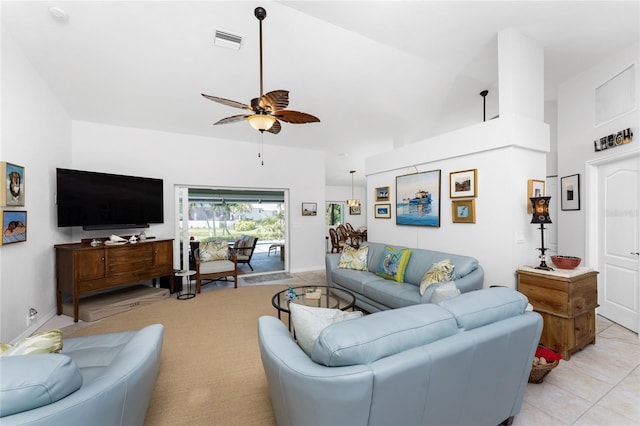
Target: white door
<point>619,234</point>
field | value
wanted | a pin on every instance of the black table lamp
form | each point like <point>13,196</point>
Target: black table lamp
<point>540,207</point>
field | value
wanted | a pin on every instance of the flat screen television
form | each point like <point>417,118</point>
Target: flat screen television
<point>107,201</point>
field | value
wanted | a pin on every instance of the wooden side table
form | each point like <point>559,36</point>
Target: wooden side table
<point>567,301</point>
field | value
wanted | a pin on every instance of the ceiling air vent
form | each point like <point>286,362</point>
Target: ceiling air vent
<point>228,40</point>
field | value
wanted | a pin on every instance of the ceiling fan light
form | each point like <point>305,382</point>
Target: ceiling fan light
<point>261,122</point>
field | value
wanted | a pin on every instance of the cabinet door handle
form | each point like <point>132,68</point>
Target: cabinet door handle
<point>636,253</point>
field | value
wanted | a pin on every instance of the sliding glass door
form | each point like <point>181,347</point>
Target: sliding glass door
<point>207,213</point>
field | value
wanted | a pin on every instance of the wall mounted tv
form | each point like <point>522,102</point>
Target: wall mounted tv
<point>107,201</point>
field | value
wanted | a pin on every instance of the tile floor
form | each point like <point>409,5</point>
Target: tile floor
<point>599,385</point>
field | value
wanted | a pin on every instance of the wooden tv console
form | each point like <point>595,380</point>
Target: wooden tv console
<point>82,269</point>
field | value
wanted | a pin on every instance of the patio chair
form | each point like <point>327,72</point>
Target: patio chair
<point>243,249</point>
<point>214,261</point>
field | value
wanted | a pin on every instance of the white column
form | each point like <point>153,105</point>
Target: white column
<point>520,76</point>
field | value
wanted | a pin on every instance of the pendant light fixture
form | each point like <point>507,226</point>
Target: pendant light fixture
<point>352,202</point>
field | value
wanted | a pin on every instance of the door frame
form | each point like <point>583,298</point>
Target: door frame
<point>182,192</point>
<point>592,230</point>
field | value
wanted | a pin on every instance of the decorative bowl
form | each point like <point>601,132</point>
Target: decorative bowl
<point>566,262</point>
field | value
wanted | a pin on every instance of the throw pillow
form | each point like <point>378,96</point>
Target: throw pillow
<point>40,343</point>
<point>393,263</point>
<point>438,272</point>
<point>308,322</point>
<point>352,258</point>
<point>214,250</point>
<point>445,291</point>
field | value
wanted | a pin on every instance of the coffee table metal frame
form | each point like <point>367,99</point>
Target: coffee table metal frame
<point>331,298</point>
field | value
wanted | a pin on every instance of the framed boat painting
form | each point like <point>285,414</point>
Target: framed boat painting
<point>418,199</point>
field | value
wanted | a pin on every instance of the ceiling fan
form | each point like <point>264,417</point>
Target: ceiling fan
<point>268,109</point>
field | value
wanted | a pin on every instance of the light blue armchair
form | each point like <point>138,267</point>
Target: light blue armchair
<point>104,379</point>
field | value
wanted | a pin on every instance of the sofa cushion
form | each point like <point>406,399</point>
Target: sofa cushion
<point>392,295</point>
<point>372,337</point>
<point>354,280</point>
<point>40,343</point>
<point>31,381</point>
<point>217,266</point>
<point>352,258</point>
<point>214,250</point>
<point>422,259</point>
<point>481,307</point>
<point>393,263</point>
<point>308,322</point>
<point>438,272</point>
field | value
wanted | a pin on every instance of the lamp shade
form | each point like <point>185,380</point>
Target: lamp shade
<point>261,122</point>
<point>540,207</point>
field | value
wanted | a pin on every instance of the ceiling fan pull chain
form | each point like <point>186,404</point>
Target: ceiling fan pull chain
<point>261,149</point>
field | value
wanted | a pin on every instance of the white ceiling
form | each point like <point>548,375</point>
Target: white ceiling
<point>375,72</point>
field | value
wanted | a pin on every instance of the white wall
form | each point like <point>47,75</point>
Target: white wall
<point>198,161</point>
<point>506,153</point>
<point>36,134</point>
<point>577,131</point>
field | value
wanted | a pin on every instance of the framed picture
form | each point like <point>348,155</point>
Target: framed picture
<point>418,199</point>
<point>382,211</point>
<point>570,192</point>
<point>354,210</point>
<point>463,184</point>
<point>14,226</point>
<point>12,191</point>
<point>382,194</point>
<point>535,188</point>
<point>463,211</point>
<point>309,209</point>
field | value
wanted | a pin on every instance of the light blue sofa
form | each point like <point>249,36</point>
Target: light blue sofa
<point>105,379</point>
<point>374,293</point>
<point>464,361</point>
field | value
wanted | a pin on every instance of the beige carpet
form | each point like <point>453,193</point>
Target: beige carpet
<point>211,372</point>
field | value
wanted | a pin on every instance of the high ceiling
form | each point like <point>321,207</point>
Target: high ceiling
<point>376,73</point>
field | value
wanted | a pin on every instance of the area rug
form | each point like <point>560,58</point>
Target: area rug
<point>211,372</point>
<point>279,276</point>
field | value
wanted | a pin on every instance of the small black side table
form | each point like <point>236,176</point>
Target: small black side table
<point>189,294</point>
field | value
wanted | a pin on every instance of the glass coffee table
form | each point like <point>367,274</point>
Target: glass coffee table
<point>316,296</point>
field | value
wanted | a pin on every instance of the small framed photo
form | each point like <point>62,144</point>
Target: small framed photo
<point>309,209</point>
<point>12,191</point>
<point>570,192</point>
<point>354,210</point>
<point>463,184</point>
<point>382,211</point>
<point>535,188</point>
<point>382,193</point>
<point>463,211</point>
<point>14,226</point>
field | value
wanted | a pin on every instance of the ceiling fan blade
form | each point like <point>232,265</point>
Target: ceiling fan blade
<point>227,102</point>
<point>275,129</point>
<point>232,119</point>
<point>296,117</point>
<point>274,100</point>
